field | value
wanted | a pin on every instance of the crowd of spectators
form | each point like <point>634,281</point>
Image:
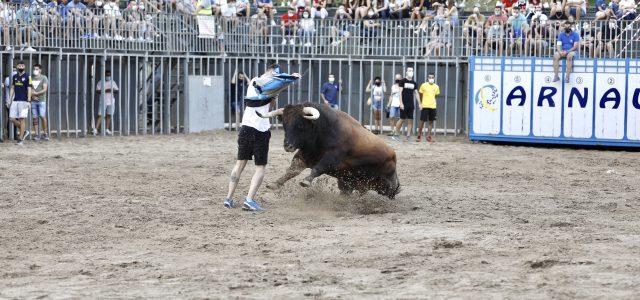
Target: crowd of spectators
<point>513,27</point>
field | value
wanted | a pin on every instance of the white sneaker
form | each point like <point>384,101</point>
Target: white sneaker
<point>94,132</point>
<point>108,132</point>
<point>30,49</point>
<point>335,43</point>
<point>284,42</point>
<point>131,39</point>
<point>118,37</point>
<point>8,48</point>
<point>307,44</point>
<point>106,36</point>
<point>292,42</point>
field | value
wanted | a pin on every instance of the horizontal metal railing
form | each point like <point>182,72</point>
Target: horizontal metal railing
<point>178,33</point>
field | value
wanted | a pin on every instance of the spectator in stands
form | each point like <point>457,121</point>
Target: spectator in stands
<point>497,16</point>
<point>319,9</point>
<point>107,102</point>
<point>94,16</point>
<point>133,20</point>
<point>329,92</point>
<point>267,7</point>
<point>340,32</point>
<point>259,23</point>
<point>567,47</point>
<point>441,39</point>
<point>20,94</point>
<point>495,37</point>
<point>40,87</point>
<point>428,91</point>
<point>370,27</point>
<point>299,6</point>
<point>377,88</point>
<point>75,18</point>
<point>439,18</point>
<point>26,31</point>
<point>394,104</point>
<point>186,7</point>
<point>557,11</point>
<point>517,26</point>
<point>229,14</point>
<point>607,38</point>
<point>307,29</point>
<point>381,8</point>
<point>243,8</point>
<point>416,9</point>
<point>628,8</point>
<point>239,83</point>
<point>112,18</point>
<point>400,9</point>
<point>7,19</point>
<point>473,28</point>
<point>537,37</point>
<point>575,8</point>
<point>587,43</point>
<point>204,8</point>
<point>452,14</point>
<point>289,26</point>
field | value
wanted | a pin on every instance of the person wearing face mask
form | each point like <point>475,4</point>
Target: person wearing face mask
<point>473,28</point>
<point>370,27</point>
<point>567,48</point>
<point>557,11</point>
<point>107,102</point>
<point>5,128</point>
<point>537,38</point>
<point>497,16</point>
<point>330,91</point>
<point>20,95</point>
<point>429,90</point>
<point>394,104</point>
<point>517,24</point>
<point>409,93</point>
<point>495,38</point>
<point>40,87</point>
<point>377,88</point>
<point>289,26</point>
<point>340,32</point>
<point>307,29</point>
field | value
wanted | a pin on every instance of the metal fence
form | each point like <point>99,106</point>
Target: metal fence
<point>175,32</point>
<point>151,96</point>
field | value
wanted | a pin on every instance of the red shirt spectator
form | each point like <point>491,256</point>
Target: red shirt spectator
<point>497,16</point>
<point>289,19</point>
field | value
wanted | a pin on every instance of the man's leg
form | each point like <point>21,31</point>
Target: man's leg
<point>98,122</point>
<point>256,181</point>
<point>43,126</point>
<point>21,128</point>
<point>569,65</point>
<point>409,128</point>
<point>398,126</point>
<point>235,177</point>
<point>429,128</point>
<point>556,65</point>
<point>420,128</point>
<point>107,121</point>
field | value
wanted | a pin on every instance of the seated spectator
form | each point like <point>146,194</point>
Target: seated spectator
<point>473,28</point>
<point>26,31</point>
<point>243,8</point>
<point>517,26</point>
<point>507,5</point>
<point>362,9</point>
<point>452,13</point>
<point>400,9</point>
<point>132,20</point>
<point>299,6</point>
<point>587,44</point>
<point>259,23</point>
<point>267,7</point>
<point>289,26</point>
<point>381,8</point>
<point>112,18</point>
<point>557,11</point>
<point>319,9</point>
<point>441,39</point>
<point>350,7</point>
<point>539,15</point>
<point>567,47</point>
<point>438,18</point>
<point>229,13</point>
<point>204,8</point>
<point>602,10</point>
<point>628,9</point>
<point>7,21</point>
<point>94,16</point>
<point>416,9</point>
<point>376,88</point>
<point>340,32</point>
<point>497,16</point>
<point>307,29</point>
<point>607,39</point>
<point>76,18</point>
<point>370,27</point>
<point>495,37</point>
<point>537,37</point>
<point>575,8</point>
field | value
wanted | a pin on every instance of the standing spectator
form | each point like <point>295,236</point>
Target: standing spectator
<point>394,104</point>
<point>340,32</point>
<point>20,93</point>
<point>7,19</point>
<point>429,90</point>
<point>607,38</point>
<point>497,16</point>
<point>407,107</point>
<point>107,103</point>
<point>575,8</point>
<point>204,8</point>
<point>319,9</point>
<point>370,27</point>
<point>6,84</point>
<point>473,28</point>
<point>259,25</point>
<point>289,26</point>
<point>40,85</point>
<point>377,88</point>
<point>307,29</point>
<point>329,92</point>
<point>239,84</point>
<point>186,7</point>
<point>243,8</point>
<point>567,47</point>
<point>495,38</point>
<point>362,9</point>
<point>441,38</point>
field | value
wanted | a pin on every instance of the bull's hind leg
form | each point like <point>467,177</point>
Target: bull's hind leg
<point>296,167</point>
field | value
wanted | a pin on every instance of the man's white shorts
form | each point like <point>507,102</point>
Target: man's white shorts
<point>19,109</point>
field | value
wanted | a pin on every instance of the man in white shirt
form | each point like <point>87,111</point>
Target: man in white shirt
<point>254,135</point>
<point>107,103</point>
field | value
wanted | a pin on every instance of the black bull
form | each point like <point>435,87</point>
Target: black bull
<point>332,142</point>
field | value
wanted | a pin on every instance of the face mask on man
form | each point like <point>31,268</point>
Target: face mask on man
<point>378,83</point>
<point>305,16</point>
<point>567,30</point>
<point>331,79</point>
<point>497,12</point>
<point>107,78</point>
<point>409,74</point>
<point>99,3</point>
<point>20,70</point>
<point>36,72</point>
<point>431,80</point>
<point>370,14</point>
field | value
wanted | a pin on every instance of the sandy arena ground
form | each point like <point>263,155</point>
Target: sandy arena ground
<point>124,217</point>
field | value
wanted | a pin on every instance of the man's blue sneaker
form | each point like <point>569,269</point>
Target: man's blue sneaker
<point>228,203</point>
<point>251,205</point>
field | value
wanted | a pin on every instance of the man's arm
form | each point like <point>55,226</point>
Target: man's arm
<point>416,96</point>
<point>322,95</point>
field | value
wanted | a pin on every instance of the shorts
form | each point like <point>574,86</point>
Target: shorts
<point>39,109</point>
<point>428,114</point>
<point>288,31</point>
<point>241,13</point>
<point>573,11</point>
<point>19,110</point>
<point>407,113</point>
<point>376,105</point>
<point>253,143</point>
<point>109,109</point>
<point>394,112</point>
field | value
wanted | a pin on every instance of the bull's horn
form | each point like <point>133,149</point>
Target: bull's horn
<point>271,114</point>
<point>311,113</point>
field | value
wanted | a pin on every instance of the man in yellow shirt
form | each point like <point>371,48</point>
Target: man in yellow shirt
<point>428,92</point>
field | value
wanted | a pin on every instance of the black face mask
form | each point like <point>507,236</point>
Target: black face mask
<point>20,70</point>
<point>567,30</point>
<point>397,81</point>
<point>378,83</point>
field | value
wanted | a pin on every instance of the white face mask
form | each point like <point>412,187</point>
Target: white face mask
<point>409,74</point>
<point>99,3</point>
<point>141,6</point>
<point>290,14</point>
<point>305,16</point>
<point>431,80</point>
<point>331,79</point>
<point>370,14</point>
<point>36,72</point>
<point>496,27</point>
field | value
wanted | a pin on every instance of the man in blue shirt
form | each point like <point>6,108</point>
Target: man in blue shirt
<point>329,92</point>
<point>567,46</point>
<point>20,97</point>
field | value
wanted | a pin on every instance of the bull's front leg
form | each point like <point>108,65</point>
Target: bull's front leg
<point>328,162</point>
<point>296,167</point>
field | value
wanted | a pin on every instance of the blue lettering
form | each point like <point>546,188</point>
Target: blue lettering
<point>581,99</point>
<point>636,99</point>
<point>543,95</point>
<point>606,98</point>
<point>521,95</point>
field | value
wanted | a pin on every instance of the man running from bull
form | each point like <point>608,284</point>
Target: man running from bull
<point>254,135</point>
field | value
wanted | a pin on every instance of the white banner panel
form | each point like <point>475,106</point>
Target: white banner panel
<point>547,105</point>
<point>578,106</point>
<point>206,26</point>
<point>633,107</point>
<point>516,116</point>
<point>486,102</point>
<point>609,117</point>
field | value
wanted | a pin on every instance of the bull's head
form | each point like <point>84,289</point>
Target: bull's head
<point>297,122</point>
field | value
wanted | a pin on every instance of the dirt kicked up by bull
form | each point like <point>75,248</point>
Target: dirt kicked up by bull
<point>331,142</point>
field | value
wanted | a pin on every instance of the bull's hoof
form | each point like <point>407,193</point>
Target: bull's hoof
<point>273,186</point>
<point>305,183</point>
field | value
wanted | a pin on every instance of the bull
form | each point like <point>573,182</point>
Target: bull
<point>332,142</point>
